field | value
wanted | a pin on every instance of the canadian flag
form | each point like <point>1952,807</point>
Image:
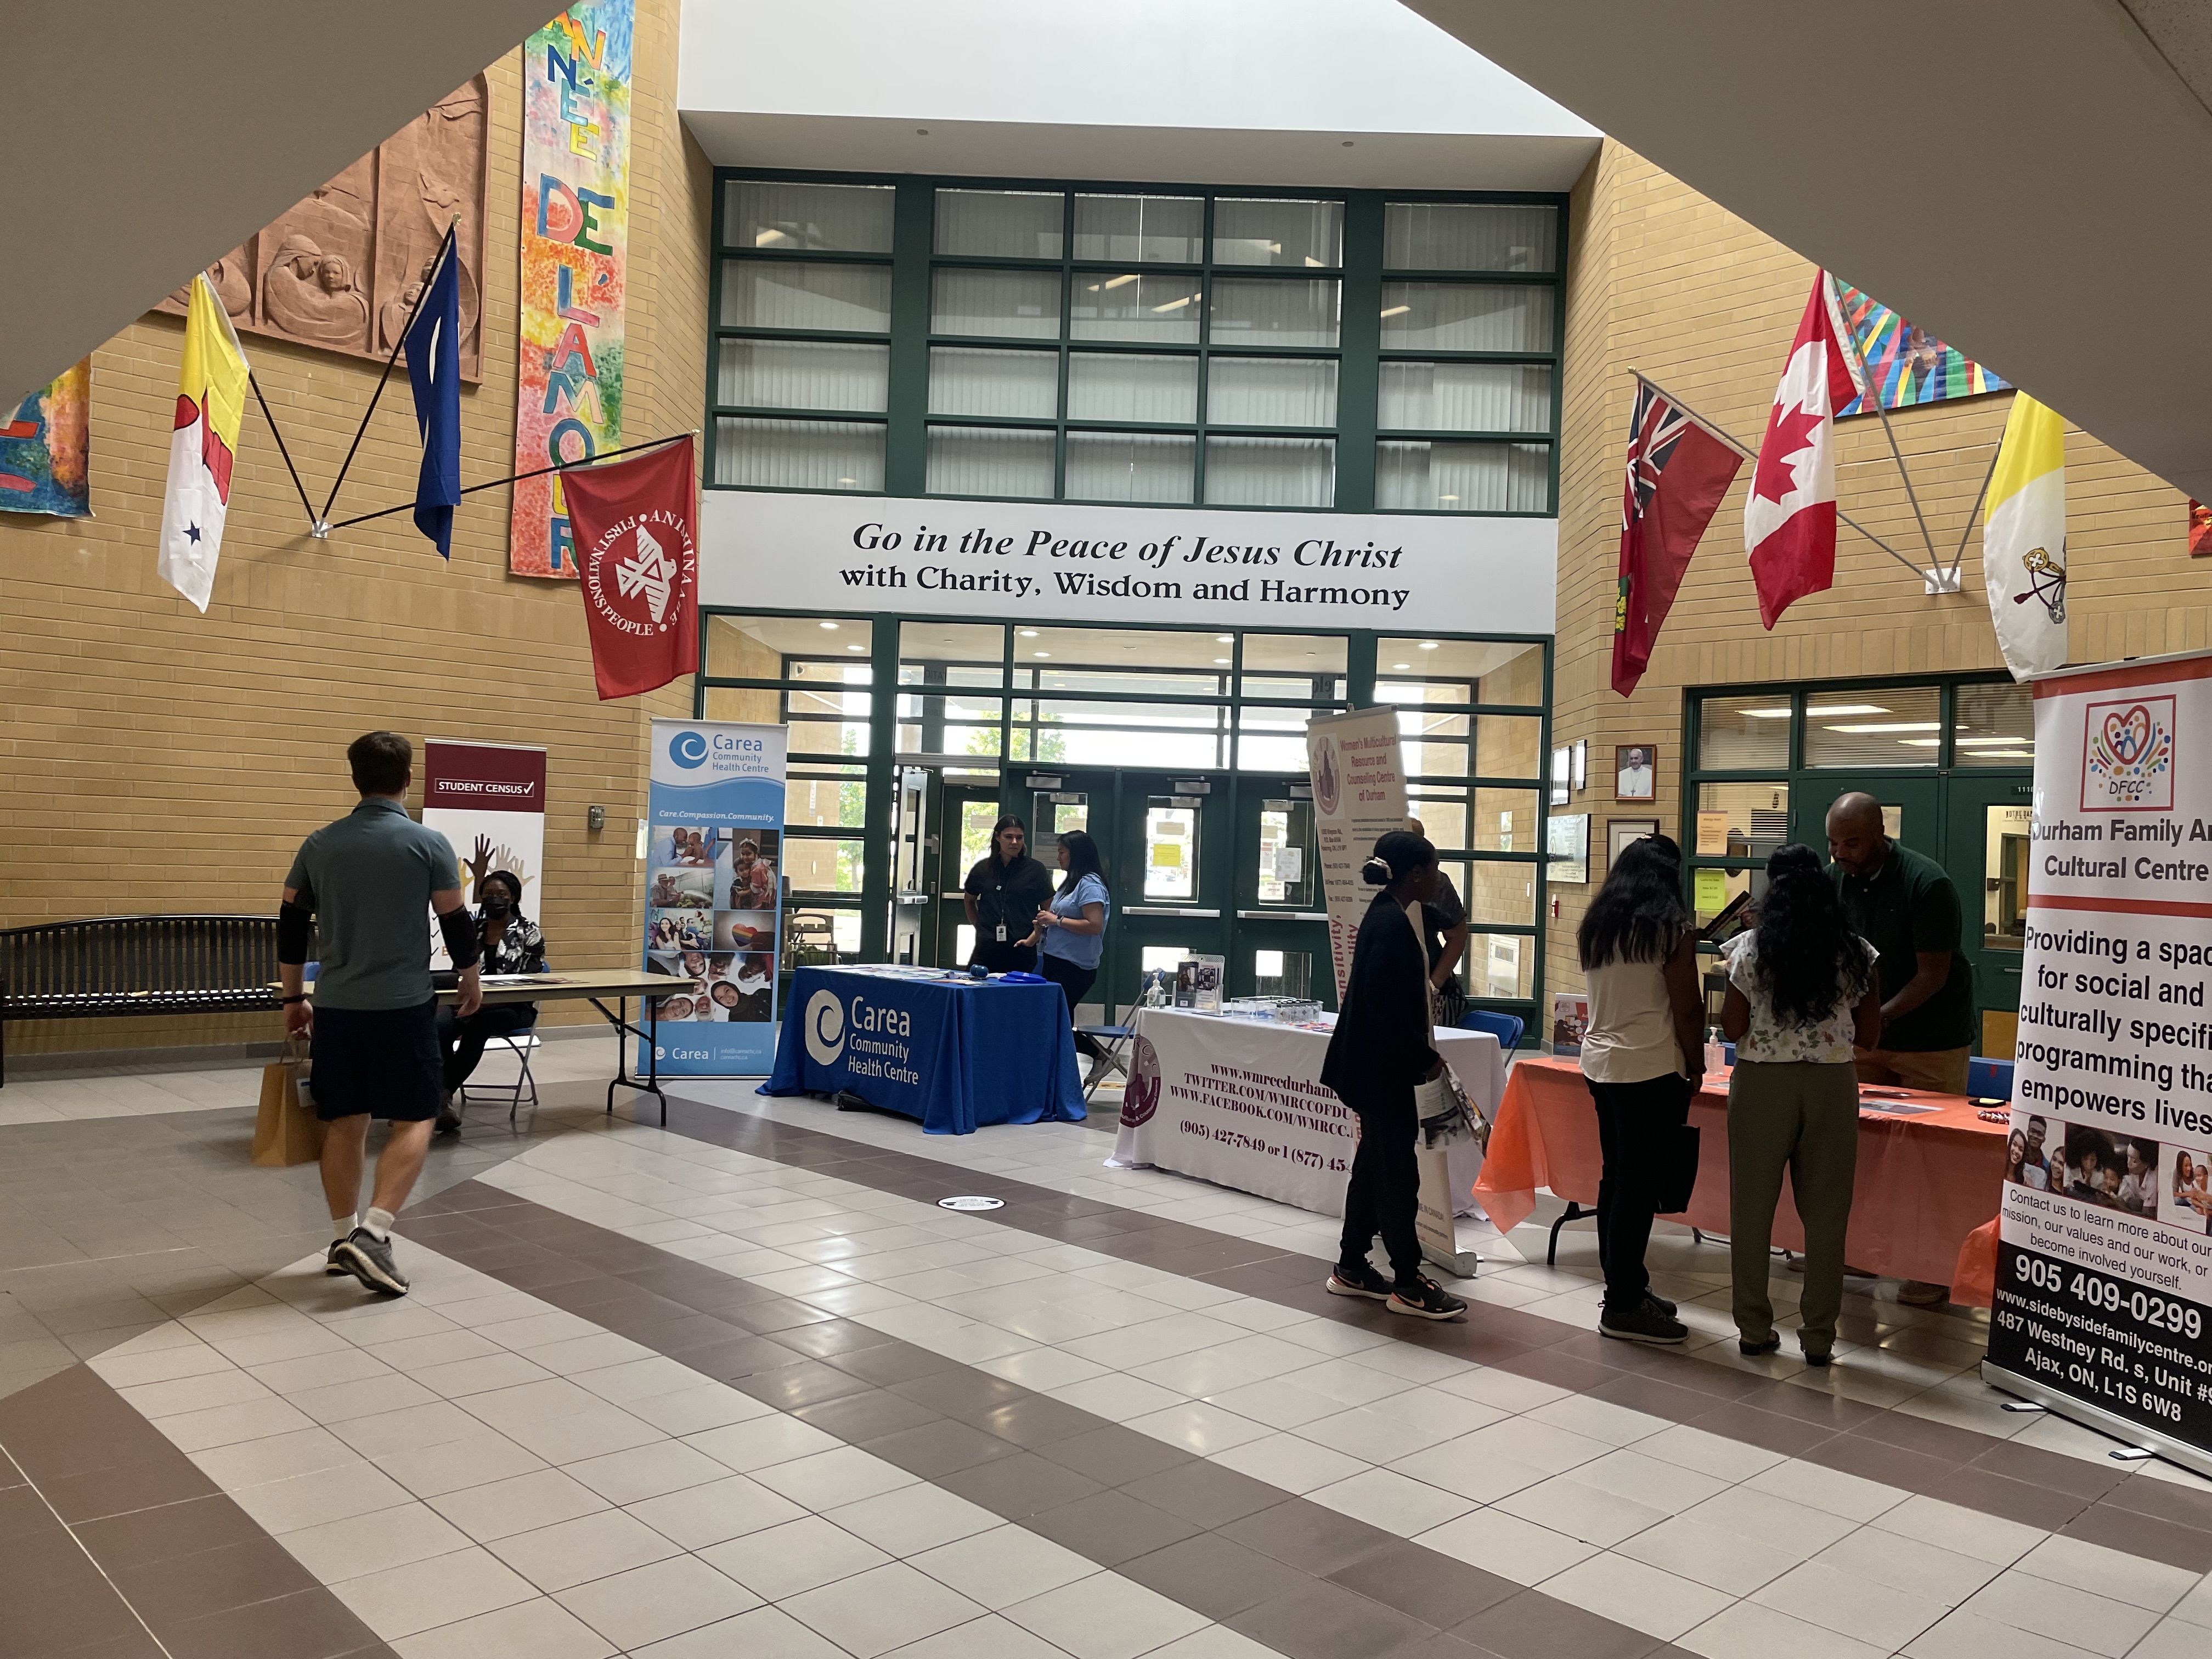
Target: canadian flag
<point>1789,519</point>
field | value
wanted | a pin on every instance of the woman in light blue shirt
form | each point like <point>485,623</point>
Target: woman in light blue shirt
<point>1070,935</point>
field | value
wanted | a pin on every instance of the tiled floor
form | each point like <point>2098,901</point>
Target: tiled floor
<point>740,1387</point>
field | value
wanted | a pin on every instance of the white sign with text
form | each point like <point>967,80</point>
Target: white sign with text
<point>838,554</point>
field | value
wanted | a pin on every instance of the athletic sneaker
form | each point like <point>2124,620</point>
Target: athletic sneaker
<point>368,1258</point>
<point>1642,1323</point>
<point>335,1264</point>
<point>1425,1299</point>
<point>1360,1280</point>
<point>449,1118</point>
<point>1660,1302</point>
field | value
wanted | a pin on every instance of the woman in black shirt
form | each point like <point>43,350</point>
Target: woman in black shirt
<point>1003,894</point>
<point>1378,1052</point>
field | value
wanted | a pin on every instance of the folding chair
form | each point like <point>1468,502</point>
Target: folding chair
<point>1115,1040</point>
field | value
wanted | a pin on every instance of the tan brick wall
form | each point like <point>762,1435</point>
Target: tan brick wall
<point>154,760</point>
<point>1661,280</point>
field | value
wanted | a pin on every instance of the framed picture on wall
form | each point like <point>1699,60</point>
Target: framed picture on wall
<point>1560,776</point>
<point>1636,771</point>
<point>1567,847</point>
<point>1619,832</point>
<point>1581,766</point>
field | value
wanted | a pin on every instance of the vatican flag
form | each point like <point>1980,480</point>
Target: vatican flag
<point>211,405</point>
<point>2024,540</point>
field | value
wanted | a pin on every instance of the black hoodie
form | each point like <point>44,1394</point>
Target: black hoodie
<point>1379,1049</point>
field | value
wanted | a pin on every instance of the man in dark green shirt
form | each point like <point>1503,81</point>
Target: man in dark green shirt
<point>1903,904</point>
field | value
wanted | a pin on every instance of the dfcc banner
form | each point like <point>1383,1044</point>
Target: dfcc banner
<point>639,560</point>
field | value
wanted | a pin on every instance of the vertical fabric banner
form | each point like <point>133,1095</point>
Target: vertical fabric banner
<point>575,238</point>
<point>43,449</point>
<point>489,799</point>
<point>1359,793</point>
<point>2104,1287</point>
<point>714,907</point>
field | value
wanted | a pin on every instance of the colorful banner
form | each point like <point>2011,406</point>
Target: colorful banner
<point>575,238</point>
<point>713,907</point>
<point>2104,1288</point>
<point>489,799</point>
<point>1359,793</point>
<point>1908,365</point>
<point>45,449</point>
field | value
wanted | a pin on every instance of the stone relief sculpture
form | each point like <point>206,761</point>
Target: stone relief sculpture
<point>343,268</point>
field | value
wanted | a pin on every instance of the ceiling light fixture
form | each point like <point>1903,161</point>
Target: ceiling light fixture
<point>1402,664</point>
<point>1224,639</point>
<point>1428,645</point>
<point>1040,654</point>
<point>1221,662</point>
<point>1863,729</point>
<point>1396,311</point>
<point>1831,710</point>
<point>832,626</point>
<point>1175,304</point>
<point>1783,714</point>
<point>1028,633</point>
<point>1117,282</point>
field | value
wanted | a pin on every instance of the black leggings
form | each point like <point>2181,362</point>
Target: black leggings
<point>462,1041</point>
<point>1636,1127</point>
<point>1074,983</point>
<point>1385,1187</point>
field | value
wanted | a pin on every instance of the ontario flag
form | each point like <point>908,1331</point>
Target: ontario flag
<point>640,567</point>
<point>211,386</point>
<point>1790,519</point>
<point>1677,473</point>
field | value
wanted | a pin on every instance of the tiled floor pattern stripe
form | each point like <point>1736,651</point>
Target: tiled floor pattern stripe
<point>116,1546</point>
<point>2166,1519</point>
<point>1673,1529</point>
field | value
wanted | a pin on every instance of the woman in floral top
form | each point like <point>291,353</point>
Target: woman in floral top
<point>1801,991</point>
<point>512,945</point>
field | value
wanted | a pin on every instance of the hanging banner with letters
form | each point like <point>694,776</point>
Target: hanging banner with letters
<point>489,799</point>
<point>714,894</point>
<point>575,239</point>
<point>1359,793</point>
<point>2104,1287</point>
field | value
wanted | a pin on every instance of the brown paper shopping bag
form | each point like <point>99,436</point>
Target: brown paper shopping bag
<point>287,1131</point>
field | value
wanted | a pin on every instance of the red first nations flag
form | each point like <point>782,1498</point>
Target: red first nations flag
<point>640,567</point>
<point>1677,473</point>
<point>1790,521</point>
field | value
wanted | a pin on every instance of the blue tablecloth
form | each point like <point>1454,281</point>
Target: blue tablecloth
<point>954,1053</point>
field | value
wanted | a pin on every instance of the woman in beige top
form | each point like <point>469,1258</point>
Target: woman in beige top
<point>1643,1059</point>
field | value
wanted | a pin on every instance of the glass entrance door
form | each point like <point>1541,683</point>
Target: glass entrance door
<point>1174,861</point>
<point>1987,859</point>
<point>966,814</point>
<point>1282,936</point>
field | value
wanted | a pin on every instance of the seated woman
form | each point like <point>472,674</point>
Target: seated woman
<point>512,945</point>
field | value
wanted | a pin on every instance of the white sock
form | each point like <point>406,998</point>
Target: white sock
<point>379,1222</point>
<point>341,1227</point>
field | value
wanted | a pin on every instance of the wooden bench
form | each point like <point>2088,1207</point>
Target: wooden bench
<point>137,965</point>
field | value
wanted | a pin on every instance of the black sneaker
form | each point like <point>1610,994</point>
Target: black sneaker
<point>1424,1299</point>
<point>1819,1359</point>
<point>334,1264</point>
<point>1660,1301</point>
<point>1360,1280</point>
<point>1750,1350</point>
<point>368,1258</point>
<point>1642,1323</point>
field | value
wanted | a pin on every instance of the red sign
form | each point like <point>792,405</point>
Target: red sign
<point>633,523</point>
<point>488,777</point>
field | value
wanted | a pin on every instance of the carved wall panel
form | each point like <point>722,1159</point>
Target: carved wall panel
<point>342,269</point>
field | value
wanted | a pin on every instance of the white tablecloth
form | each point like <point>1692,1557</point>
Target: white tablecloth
<point>1241,1104</point>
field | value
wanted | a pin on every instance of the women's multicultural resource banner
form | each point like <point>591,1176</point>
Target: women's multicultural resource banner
<point>2103,1289</point>
<point>43,449</point>
<point>575,240</point>
<point>489,799</point>
<point>714,893</point>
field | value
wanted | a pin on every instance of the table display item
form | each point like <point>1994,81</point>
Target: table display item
<point>1197,984</point>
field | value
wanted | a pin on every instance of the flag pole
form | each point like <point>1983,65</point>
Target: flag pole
<point>1751,454</point>
<point>1975,511</point>
<point>268,415</point>
<point>517,477</point>
<point>321,528</point>
<point>1869,390</point>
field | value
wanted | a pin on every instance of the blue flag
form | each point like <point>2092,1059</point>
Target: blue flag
<point>434,365</point>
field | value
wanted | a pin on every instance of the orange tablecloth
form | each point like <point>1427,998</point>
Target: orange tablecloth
<point>1924,1183</point>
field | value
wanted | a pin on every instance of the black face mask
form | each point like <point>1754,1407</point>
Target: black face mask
<point>495,908</point>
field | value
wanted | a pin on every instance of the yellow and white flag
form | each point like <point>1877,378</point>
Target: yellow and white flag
<point>211,405</point>
<point>2024,540</point>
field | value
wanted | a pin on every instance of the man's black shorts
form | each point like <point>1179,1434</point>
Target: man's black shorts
<point>383,1061</point>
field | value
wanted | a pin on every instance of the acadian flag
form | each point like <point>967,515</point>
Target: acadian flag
<point>2024,540</point>
<point>210,403</point>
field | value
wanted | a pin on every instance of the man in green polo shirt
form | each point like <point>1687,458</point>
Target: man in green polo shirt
<point>1902,904</point>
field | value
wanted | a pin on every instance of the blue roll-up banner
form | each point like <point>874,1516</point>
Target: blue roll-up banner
<point>713,885</point>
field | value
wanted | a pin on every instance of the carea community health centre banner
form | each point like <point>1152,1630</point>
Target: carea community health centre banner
<point>575,251</point>
<point>489,799</point>
<point>712,908</point>
<point>2104,1291</point>
<point>1359,793</point>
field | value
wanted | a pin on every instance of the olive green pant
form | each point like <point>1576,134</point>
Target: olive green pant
<point>1802,1118</point>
